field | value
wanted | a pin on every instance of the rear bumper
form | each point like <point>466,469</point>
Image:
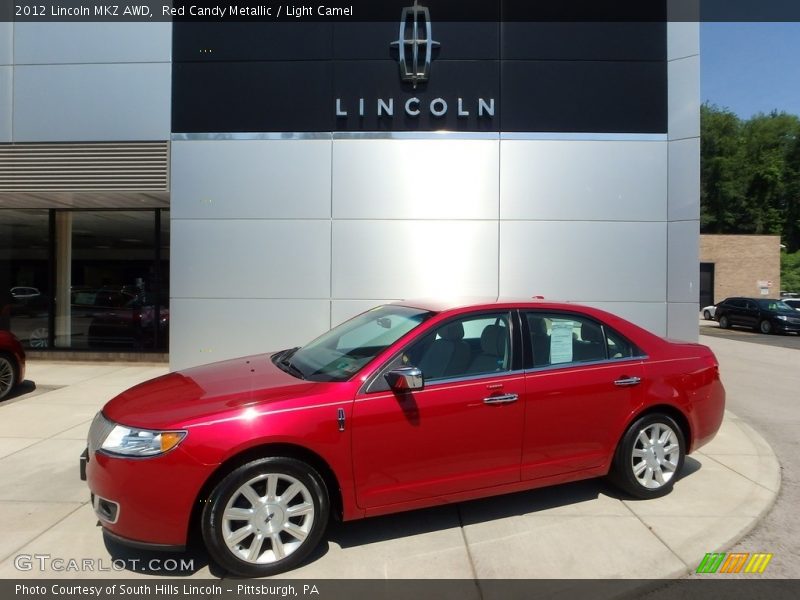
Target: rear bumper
<point>707,417</point>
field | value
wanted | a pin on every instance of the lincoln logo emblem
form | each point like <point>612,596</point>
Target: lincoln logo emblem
<point>415,44</point>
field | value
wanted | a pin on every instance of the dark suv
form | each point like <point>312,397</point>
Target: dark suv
<point>762,314</point>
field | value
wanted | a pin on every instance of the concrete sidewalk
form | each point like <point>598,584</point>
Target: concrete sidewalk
<point>579,530</point>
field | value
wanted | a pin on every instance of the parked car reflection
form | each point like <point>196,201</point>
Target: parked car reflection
<point>99,318</point>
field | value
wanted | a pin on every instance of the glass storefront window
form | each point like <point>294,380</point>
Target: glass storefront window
<point>25,275</point>
<point>85,279</point>
<point>108,280</point>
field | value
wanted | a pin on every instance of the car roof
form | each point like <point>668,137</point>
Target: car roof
<point>472,302</point>
<point>454,306</point>
<point>463,304</point>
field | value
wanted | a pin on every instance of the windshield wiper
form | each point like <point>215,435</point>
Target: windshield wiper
<point>286,364</point>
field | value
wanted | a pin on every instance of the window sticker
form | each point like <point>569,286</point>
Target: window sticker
<point>561,342</point>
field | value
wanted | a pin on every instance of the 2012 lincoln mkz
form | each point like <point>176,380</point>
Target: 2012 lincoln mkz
<point>407,405</point>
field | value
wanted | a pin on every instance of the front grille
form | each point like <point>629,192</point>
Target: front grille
<point>98,432</point>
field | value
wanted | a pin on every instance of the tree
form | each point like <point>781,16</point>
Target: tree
<point>790,271</point>
<point>722,191</point>
<point>750,179</point>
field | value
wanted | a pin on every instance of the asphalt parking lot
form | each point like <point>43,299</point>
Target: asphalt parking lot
<point>712,328</point>
<point>762,380</point>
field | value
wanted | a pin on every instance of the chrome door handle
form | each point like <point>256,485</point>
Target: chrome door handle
<point>504,399</point>
<point>625,381</point>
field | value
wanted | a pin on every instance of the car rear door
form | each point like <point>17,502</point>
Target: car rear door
<point>463,431</point>
<point>581,383</point>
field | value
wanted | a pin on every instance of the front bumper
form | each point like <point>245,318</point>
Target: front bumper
<point>143,545</point>
<point>145,502</point>
<point>785,327</point>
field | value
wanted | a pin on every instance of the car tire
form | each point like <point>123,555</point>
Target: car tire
<point>8,375</point>
<point>707,315</point>
<point>724,323</point>
<point>649,457</point>
<point>268,538</point>
<point>765,327</point>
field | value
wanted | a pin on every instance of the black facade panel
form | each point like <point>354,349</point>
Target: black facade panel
<point>260,41</point>
<point>450,80</point>
<point>581,96</point>
<point>457,40</point>
<point>542,76</point>
<point>253,96</point>
<point>584,41</point>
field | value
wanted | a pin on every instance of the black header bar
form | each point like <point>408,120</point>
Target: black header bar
<point>466,589</point>
<point>562,11</point>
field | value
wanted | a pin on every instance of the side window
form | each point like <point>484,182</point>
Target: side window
<point>563,339</point>
<point>475,345</point>
<point>619,347</point>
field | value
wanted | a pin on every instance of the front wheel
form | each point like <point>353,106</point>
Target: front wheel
<point>765,327</point>
<point>649,457</point>
<point>266,516</point>
<point>8,376</point>
<point>707,315</point>
<point>724,323</point>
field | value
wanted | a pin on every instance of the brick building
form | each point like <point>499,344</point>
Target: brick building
<point>739,265</point>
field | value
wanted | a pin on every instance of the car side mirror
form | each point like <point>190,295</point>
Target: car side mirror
<point>405,379</point>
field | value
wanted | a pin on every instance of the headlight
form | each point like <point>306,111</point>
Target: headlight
<point>782,318</point>
<point>131,441</point>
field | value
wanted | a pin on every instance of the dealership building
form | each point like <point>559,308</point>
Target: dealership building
<point>225,188</point>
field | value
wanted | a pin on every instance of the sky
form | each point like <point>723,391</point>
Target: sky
<point>751,67</point>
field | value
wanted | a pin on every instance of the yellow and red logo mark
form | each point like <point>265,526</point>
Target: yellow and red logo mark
<point>735,562</point>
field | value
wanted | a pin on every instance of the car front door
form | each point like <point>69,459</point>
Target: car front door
<point>751,314</point>
<point>463,431</point>
<point>737,312</point>
<point>583,382</point>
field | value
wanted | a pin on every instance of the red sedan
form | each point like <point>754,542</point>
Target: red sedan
<point>12,363</point>
<point>404,406</point>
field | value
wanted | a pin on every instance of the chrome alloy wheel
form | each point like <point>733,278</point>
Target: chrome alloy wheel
<point>6,376</point>
<point>267,518</point>
<point>655,456</point>
<point>38,338</point>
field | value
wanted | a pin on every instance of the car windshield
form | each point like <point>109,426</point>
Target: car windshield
<point>344,350</point>
<point>774,305</point>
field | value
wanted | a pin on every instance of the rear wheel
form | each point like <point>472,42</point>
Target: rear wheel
<point>765,327</point>
<point>707,315</point>
<point>8,375</point>
<point>724,323</point>
<point>649,457</point>
<point>266,516</point>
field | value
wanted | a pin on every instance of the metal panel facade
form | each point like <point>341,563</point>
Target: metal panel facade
<point>555,158</point>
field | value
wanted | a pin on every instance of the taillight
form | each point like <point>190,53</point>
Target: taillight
<point>710,361</point>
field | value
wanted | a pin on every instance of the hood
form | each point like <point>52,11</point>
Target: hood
<point>175,399</point>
